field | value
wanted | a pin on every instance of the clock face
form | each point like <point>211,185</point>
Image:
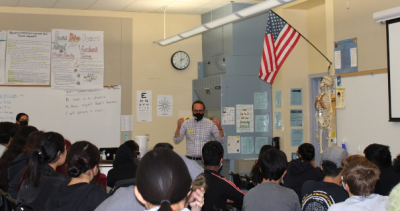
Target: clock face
<point>180,60</point>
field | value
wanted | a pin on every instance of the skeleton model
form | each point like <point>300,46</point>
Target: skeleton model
<point>325,110</point>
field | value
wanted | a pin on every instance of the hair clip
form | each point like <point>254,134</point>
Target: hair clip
<point>84,148</point>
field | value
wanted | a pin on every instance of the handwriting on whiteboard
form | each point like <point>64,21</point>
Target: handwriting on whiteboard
<point>86,102</point>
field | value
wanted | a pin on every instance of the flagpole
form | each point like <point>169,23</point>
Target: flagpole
<point>330,63</point>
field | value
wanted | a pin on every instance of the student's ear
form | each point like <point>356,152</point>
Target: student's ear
<point>202,159</point>
<point>139,196</point>
<point>284,173</point>
<point>322,169</point>
<point>222,160</point>
<point>259,168</point>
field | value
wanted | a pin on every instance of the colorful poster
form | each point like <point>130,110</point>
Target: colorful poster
<point>244,119</point>
<point>340,98</point>
<point>262,123</point>
<point>164,105</point>
<point>144,106</point>
<point>228,116</point>
<point>261,100</point>
<point>233,144</point>
<point>260,142</point>
<point>28,58</point>
<point>247,144</point>
<point>77,59</point>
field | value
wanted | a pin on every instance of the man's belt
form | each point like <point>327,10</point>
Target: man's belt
<point>193,158</point>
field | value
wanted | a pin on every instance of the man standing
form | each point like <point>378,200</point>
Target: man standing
<point>198,131</point>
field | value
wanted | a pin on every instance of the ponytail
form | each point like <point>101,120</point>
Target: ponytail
<point>256,175</point>
<point>165,205</point>
<point>47,152</point>
<point>81,157</point>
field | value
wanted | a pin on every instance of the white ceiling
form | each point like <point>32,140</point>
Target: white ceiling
<point>172,6</point>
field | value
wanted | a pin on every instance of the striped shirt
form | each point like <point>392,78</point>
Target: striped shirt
<point>197,134</point>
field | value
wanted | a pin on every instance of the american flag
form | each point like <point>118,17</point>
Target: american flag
<point>280,38</point>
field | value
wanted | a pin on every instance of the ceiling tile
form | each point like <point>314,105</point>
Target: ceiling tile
<point>111,5</point>
<point>37,3</point>
<point>74,4</point>
<point>8,3</point>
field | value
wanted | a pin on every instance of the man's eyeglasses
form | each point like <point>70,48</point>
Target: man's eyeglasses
<point>198,111</point>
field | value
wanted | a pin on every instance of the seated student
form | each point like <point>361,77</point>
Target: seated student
<point>359,178</point>
<point>219,190</point>
<point>319,196</point>
<point>380,155</point>
<point>164,183</point>
<point>194,168</point>
<point>41,178</point>
<point>125,164</point>
<point>18,165</point>
<point>256,176</point>
<point>22,119</point>
<point>270,194</point>
<point>302,169</point>
<point>79,194</point>
<point>14,149</point>
<point>124,198</point>
<point>7,132</point>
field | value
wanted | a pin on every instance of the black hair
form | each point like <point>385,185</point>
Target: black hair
<point>81,157</point>
<point>20,115</point>
<point>47,152</point>
<point>133,146</point>
<point>199,102</point>
<point>273,163</point>
<point>15,148</point>
<point>163,176</point>
<point>212,153</point>
<point>329,169</point>
<point>306,151</point>
<point>378,154</point>
<point>256,175</point>
<point>7,131</point>
<point>32,142</point>
<point>396,164</point>
<point>164,145</point>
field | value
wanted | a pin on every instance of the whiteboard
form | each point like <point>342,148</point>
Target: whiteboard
<point>364,120</point>
<point>393,44</point>
<point>92,115</point>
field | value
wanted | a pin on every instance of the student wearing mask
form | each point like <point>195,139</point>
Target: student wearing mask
<point>79,194</point>
<point>198,131</point>
<point>41,178</point>
<point>22,119</point>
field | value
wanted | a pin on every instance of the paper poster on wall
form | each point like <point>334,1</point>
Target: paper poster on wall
<point>261,100</point>
<point>228,116</point>
<point>296,137</point>
<point>260,142</point>
<point>346,56</point>
<point>296,97</point>
<point>144,106</point>
<point>278,99</point>
<point>233,144</point>
<point>247,144</point>
<point>28,58</point>
<point>164,105</point>
<point>126,122</point>
<point>77,59</point>
<point>340,98</point>
<point>278,120</point>
<point>3,45</point>
<point>262,123</point>
<point>296,117</point>
<point>244,119</point>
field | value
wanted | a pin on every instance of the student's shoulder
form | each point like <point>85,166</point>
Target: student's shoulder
<point>122,199</point>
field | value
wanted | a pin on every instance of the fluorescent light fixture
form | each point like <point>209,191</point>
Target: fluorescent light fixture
<point>383,16</point>
<point>222,21</point>
<point>170,40</point>
<point>241,14</point>
<point>191,32</point>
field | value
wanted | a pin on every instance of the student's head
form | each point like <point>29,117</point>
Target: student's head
<point>213,153</point>
<point>162,180</point>
<point>32,142</point>
<point>378,154</point>
<point>83,159</point>
<point>50,151</point>
<point>163,145</point>
<point>22,119</point>
<point>359,175</point>
<point>256,175</point>
<point>133,146</point>
<point>21,137</point>
<point>273,164</point>
<point>330,169</point>
<point>7,132</point>
<point>335,154</point>
<point>306,152</point>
